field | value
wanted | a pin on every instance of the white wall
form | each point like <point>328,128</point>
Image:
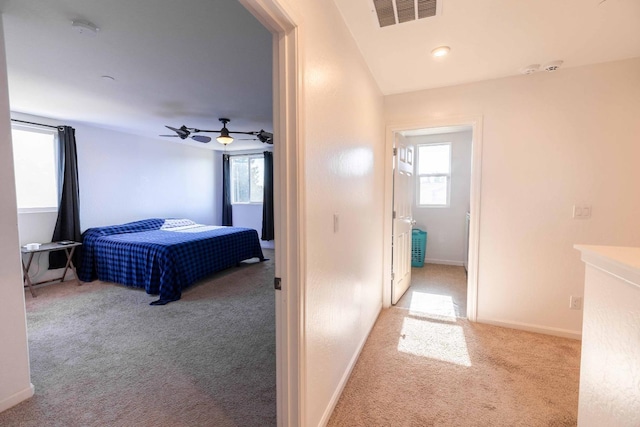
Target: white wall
<point>445,226</point>
<point>14,357</point>
<point>343,136</point>
<point>610,358</point>
<point>126,178</point>
<point>550,140</point>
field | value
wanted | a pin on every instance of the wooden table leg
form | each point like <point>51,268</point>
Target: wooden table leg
<point>25,270</point>
<point>71,265</point>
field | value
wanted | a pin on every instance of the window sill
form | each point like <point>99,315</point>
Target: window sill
<point>37,210</point>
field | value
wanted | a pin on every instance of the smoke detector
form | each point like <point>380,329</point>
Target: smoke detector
<point>84,28</point>
<point>552,66</point>
<point>530,69</point>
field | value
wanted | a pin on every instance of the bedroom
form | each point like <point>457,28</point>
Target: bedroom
<point>343,292</point>
<point>125,173</point>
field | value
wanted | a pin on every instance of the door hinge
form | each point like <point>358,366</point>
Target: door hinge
<point>395,151</point>
<point>393,276</point>
<point>277,283</point>
<point>394,214</point>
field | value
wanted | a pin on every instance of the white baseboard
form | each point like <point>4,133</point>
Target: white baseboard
<point>13,400</point>
<point>347,373</point>
<point>565,333</point>
<point>443,261</point>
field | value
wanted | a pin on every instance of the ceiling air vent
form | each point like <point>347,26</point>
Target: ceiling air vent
<point>391,12</point>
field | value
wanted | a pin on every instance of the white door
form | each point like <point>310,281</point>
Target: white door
<point>402,218</point>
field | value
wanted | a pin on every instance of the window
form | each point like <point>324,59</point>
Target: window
<point>434,174</point>
<point>247,178</point>
<point>35,159</point>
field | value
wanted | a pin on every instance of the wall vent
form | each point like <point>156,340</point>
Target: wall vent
<point>392,12</point>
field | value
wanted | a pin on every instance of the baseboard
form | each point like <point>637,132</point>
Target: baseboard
<point>443,262</point>
<point>565,333</point>
<point>13,400</point>
<point>343,381</point>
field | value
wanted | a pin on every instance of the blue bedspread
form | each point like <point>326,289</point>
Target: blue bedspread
<point>163,262</point>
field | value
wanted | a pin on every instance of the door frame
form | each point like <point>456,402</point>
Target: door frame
<point>289,186</point>
<point>475,122</point>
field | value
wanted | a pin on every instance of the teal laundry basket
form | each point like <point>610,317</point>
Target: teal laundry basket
<point>418,247</point>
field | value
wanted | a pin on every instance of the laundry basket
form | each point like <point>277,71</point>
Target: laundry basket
<point>418,247</point>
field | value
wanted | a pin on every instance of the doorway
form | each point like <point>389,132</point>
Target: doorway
<point>469,235</point>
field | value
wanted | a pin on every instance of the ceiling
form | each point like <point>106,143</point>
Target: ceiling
<point>174,62</point>
<point>194,61</point>
<point>491,39</point>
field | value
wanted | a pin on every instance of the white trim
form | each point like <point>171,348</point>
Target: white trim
<point>444,262</point>
<point>14,399</point>
<point>288,206</point>
<point>529,327</point>
<point>51,209</point>
<point>474,226</point>
<point>347,373</point>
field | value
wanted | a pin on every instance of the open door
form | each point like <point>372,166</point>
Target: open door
<point>402,218</point>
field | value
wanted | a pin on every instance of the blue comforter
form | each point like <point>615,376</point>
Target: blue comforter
<point>163,262</point>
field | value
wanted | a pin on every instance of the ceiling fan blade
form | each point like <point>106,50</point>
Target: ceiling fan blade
<point>201,138</point>
<point>264,136</point>
<point>244,133</point>
<point>170,135</point>
<point>182,132</point>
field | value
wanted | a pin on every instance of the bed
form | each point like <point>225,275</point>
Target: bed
<point>163,256</point>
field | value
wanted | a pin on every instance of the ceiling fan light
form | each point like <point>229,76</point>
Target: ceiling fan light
<point>224,139</point>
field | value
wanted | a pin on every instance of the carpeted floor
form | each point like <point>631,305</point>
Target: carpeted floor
<point>423,366</point>
<point>437,288</point>
<point>101,356</point>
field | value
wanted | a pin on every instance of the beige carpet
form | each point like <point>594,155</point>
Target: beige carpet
<point>421,366</point>
<point>437,288</point>
<point>102,356</point>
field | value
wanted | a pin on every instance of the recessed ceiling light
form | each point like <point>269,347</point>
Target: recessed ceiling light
<point>440,51</point>
<point>85,28</point>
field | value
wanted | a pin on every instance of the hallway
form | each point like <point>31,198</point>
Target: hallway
<point>426,365</point>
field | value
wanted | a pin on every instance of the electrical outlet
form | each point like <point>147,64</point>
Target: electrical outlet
<point>582,211</point>
<point>575,303</point>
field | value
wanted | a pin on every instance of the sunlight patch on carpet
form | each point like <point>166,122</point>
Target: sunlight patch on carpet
<point>435,340</point>
<point>438,306</point>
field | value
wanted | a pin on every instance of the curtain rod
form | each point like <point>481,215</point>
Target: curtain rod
<point>33,123</point>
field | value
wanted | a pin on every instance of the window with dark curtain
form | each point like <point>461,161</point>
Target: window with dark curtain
<point>227,209</point>
<point>68,222</point>
<point>267,202</point>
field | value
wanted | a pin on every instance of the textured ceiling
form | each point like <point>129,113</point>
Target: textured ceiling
<point>491,39</point>
<point>174,63</point>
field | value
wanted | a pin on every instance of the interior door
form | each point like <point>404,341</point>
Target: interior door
<point>403,186</point>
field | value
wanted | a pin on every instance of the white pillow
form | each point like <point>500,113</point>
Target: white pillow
<point>172,223</point>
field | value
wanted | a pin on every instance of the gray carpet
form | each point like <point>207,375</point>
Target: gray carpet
<point>101,356</point>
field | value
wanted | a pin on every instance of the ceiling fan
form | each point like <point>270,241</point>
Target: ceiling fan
<point>224,138</point>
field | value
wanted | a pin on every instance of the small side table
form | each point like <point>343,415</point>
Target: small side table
<point>68,247</point>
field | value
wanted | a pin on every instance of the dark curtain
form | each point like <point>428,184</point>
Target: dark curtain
<point>267,202</point>
<point>68,223</point>
<point>227,211</point>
